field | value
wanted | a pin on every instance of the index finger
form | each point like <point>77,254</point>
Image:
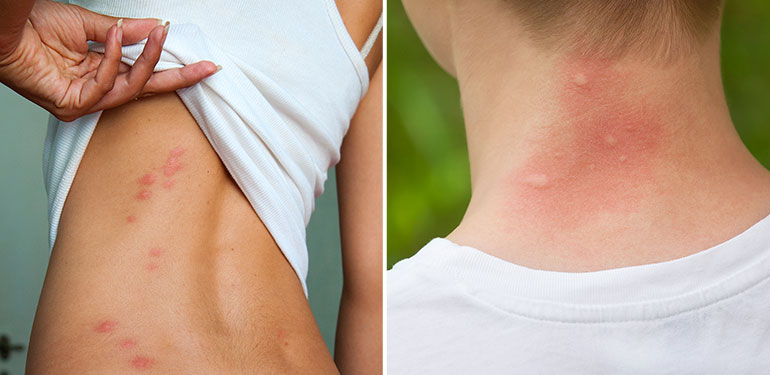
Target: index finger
<point>134,29</point>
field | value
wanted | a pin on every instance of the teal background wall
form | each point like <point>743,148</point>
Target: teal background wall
<point>24,231</point>
<point>324,279</point>
<point>428,177</point>
<point>23,220</point>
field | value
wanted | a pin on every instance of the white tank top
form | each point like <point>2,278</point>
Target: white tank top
<point>276,114</point>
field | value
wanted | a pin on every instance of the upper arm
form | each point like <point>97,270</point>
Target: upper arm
<point>359,187</point>
<point>359,173</point>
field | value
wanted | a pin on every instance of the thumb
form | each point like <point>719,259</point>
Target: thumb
<point>134,29</point>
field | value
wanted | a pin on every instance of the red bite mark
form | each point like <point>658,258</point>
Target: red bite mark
<point>172,166</point>
<point>152,266</point>
<point>147,179</point>
<point>168,184</point>
<point>173,162</point>
<point>155,252</point>
<point>127,344</point>
<point>177,151</point>
<point>106,326</point>
<point>131,219</point>
<point>142,363</point>
<point>282,336</point>
<point>144,195</point>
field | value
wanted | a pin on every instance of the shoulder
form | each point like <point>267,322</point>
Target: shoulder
<point>360,18</point>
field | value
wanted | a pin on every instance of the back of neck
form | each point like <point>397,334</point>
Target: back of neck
<point>581,164</point>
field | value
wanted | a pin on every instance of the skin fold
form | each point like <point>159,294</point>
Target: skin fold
<point>162,266</point>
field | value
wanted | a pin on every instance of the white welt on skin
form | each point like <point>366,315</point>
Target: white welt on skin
<point>537,180</point>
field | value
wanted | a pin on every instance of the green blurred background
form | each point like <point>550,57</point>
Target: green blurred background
<point>428,176</point>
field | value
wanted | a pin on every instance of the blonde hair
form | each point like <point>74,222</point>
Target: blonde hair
<point>611,28</point>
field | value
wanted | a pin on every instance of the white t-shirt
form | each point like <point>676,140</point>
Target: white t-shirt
<point>456,310</point>
<point>276,114</point>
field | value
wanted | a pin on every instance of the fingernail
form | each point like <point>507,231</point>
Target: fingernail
<point>165,29</point>
<point>219,67</point>
<point>120,31</point>
<point>120,23</point>
<point>160,21</point>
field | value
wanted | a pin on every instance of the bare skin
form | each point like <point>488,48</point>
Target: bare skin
<point>162,266</point>
<point>581,164</point>
<point>359,184</point>
<point>199,296</point>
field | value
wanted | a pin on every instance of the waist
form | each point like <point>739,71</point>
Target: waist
<point>161,262</point>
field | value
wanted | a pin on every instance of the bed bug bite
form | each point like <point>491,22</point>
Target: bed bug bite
<point>106,326</point>
<point>127,343</point>
<point>140,362</point>
<point>144,195</point>
<point>147,179</point>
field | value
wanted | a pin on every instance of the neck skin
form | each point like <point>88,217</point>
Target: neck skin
<point>582,164</point>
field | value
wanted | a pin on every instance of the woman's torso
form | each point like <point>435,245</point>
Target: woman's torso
<point>171,273</point>
<point>175,275</point>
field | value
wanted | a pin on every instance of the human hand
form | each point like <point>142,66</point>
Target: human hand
<point>52,66</point>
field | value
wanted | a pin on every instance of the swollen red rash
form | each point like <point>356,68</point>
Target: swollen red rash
<point>106,326</point>
<point>173,163</point>
<point>142,363</point>
<point>601,150</point>
<point>127,344</point>
<point>155,252</point>
<point>147,179</point>
<point>144,195</point>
